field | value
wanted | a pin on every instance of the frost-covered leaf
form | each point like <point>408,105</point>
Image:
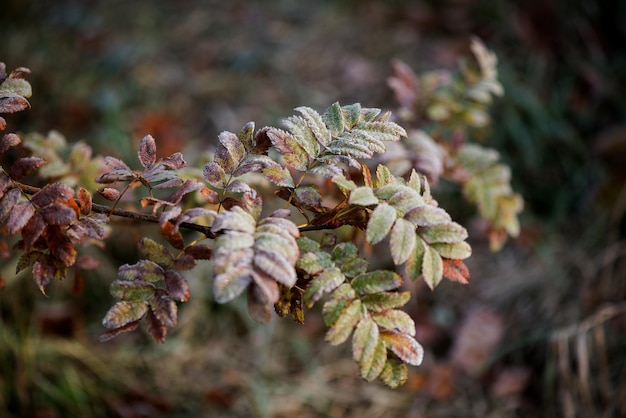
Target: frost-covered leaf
<point>346,256</point>
<point>367,350</point>
<point>427,215</point>
<point>231,283</point>
<point>214,174</point>
<point>124,312</point>
<point>395,320</point>
<point>326,281</point>
<point>8,140</point>
<point>402,241</point>
<point>449,233</point>
<point>291,150</point>
<point>394,373</point>
<point>380,223</point>
<point>363,196</point>
<point>58,214</point>
<point>145,270</point>
<point>156,328</point>
<point>457,251</point>
<point>341,329</point>
<point>316,124</point>
<point>110,334</point>
<point>24,166</point>
<point>380,302</point>
<point>338,300</point>
<point>177,286</point>
<point>404,346</point>
<point>8,202</point>
<point>432,267</point>
<point>229,152</point>
<point>147,152</point>
<point>164,308</point>
<point>376,282</point>
<point>19,216</point>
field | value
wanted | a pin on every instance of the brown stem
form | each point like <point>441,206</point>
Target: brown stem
<point>129,214</point>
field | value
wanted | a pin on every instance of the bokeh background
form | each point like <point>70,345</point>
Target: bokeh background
<point>540,331</point>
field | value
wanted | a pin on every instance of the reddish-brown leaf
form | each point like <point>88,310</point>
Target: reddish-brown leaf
<point>19,72</point>
<point>25,166</point>
<point>87,262</point>
<point>84,201</point>
<point>109,193</point>
<point>261,142</point>
<point>189,186</point>
<point>210,195</point>
<point>8,141</point>
<point>147,151</point>
<point>156,328</point>
<point>456,271</point>
<point>5,184</point>
<point>199,251</point>
<point>174,161</point>
<point>164,308</point>
<point>88,227</point>
<point>60,246</point>
<point>43,272</point>
<point>3,125</point>
<point>12,103</point>
<point>404,346</point>
<point>172,235</point>
<point>53,193</point>
<point>116,164</point>
<point>109,335</point>
<point>58,214</point>
<point>184,262</point>
<point>19,216</point>
<point>8,202</point>
<point>33,230</point>
<point>177,286</point>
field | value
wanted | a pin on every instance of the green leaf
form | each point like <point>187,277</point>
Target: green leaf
<point>155,252</point>
<point>292,152</point>
<point>303,135</point>
<point>123,313</point>
<point>345,255</point>
<point>351,115</point>
<point>427,215</point>
<point>145,270</point>
<point>333,118</point>
<point>344,183</point>
<point>307,244</point>
<point>395,320</point>
<point>457,251</point>
<point>394,373</point>
<point>379,302</point>
<point>380,223</point>
<point>15,86</point>
<point>376,282</point>
<point>363,196</point>
<point>402,241</point>
<point>339,298</point>
<point>367,350</point>
<point>132,289</point>
<point>432,267</point>
<point>447,233</point>
<point>345,323</point>
<point>413,266</point>
<point>325,282</point>
<point>313,263</point>
<point>28,259</point>
<point>383,176</point>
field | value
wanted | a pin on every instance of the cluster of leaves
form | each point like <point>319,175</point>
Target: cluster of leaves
<point>451,108</point>
<point>318,165</point>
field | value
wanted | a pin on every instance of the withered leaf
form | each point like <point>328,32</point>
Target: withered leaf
<point>156,328</point>
<point>164,308</point>
<point>156,252</point>
<point>132,289</point>
<point>3,125</point>
<point>8,140</point>
<point>214,174</point>
<point>88,227</point>
<point>109,335</point>
<point>456,271</point>
<point>58,214</point>
<point>33,230</point>
<point>124,312</point>
<point>44,270</point>
<point>184,262</point>
<point>199,251</point>
<point>147,151</point>
<point>60,246</point>
<point>53,193</point>
<point>188,186</point>
<point>177,286</point>
<point>257,308</point>
<point>146,270</point>
<point>8,202</point>
<point>11,103</point>
<point>395,373</point>
<point>174,161</point>
<point>84,200</point>
<point>24,166</point>
<point>19,216</point>
<point>28,259</point>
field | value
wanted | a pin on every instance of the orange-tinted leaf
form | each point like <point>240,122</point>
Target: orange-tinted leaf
<point>3,125</point>
<point>58,214</point>
<point>60,246</point>
<point>24,166</point>
<point>84,200</point>
<point>8,202</point>
<point>123,313</point>
<point>184,262</point>
<point>177,286</point>
<point>19,217</point>
<point>456,271</point>
<point>156,328</point>
<point>8,140</point>
<point>404,346</point>
<point>147,151</point>
<point>53,193</point>
<point>109,335</point>
<point>164,308</point>
<point>172,235</point>
<point>109,193</point>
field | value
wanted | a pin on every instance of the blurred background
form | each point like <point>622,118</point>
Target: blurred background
<point>540,331</point>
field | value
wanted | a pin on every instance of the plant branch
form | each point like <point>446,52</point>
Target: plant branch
<point>129,214</point>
